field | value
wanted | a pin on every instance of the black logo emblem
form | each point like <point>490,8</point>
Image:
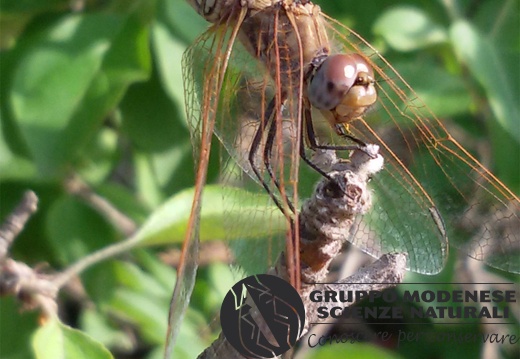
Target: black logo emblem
<point>262,316</point>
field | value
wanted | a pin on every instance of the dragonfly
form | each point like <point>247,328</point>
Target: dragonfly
<point>278,80</point>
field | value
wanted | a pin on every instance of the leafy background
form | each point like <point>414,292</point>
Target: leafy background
<point>93,89</point>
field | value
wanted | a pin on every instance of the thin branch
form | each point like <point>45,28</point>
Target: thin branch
<point>74,185</point>
<point>38,290</point>
<point>94,258</point>
<point>16,221</point>
<point>326,221</point>
<point>16,278</point>
<point>33,289</point>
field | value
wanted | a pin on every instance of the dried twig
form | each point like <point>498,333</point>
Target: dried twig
<point>16,221</point>
<point>326,221</point>
<point>39,290</point>
<point>119,220</point>
<point>16,278</point>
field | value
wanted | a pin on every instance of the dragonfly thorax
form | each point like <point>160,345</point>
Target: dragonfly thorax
<point>343,83</point>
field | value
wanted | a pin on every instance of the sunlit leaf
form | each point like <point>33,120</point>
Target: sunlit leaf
<point>348,349</point>
<point>485,65</point>
<point>57,340</point>
<point>408,29</point>
<point>69,78</point>
<point>168,223</point>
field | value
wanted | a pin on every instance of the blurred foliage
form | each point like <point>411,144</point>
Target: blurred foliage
<point>94,89</point>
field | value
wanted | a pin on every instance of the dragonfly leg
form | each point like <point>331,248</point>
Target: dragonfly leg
<point>313,144</point>
<point>267,123</point>
<point>267,155</point>
<point>311,137</point>
<point>342,131</point>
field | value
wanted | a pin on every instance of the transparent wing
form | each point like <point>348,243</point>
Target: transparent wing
<point>431,187</point>
<point>258,224</point>
<point>204,65</point>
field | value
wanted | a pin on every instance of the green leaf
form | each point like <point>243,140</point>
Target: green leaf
<point>168,50</point>
<point>151,119</point>
<point>75,229</point>
<point>69,77</point>
<point>156,126</point>
<point>97,160</point>
<point>54,75</point>
<point>15,329</point>
<point>100,327</point>
<point>222,211</point>
<point>31,6</point>
<point>163,273</point>
<point>182,20</point>
<point>444,93</point>
<point>135,278</point>
<point>485,64</point>
<point>124,199</point>
<point>141,299</point>
<point>209,293</point>
<point>144,311</point>
<point>13,166</point>
<point>348,350</point>
<point>57,340</point>
<point>408,28</point>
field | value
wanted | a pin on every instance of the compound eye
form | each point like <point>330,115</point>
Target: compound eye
<point>335,78</point>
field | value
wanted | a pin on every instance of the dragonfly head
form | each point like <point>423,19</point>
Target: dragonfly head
<point>344,84</point>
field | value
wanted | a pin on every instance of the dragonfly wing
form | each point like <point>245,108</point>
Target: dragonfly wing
<point>204,65</point>
<point>403,218</point>
<point>481,214</point>
<point>246,93</point>
<point>429,178</point>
